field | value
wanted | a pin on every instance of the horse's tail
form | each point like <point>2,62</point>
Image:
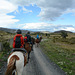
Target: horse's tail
<point>11,66</point>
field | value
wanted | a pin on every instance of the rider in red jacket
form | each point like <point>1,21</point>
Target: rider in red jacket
<point>21,39</point>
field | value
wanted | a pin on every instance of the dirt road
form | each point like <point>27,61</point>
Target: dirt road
<point>40,64</point>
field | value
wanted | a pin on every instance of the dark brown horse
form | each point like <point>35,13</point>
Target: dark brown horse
<point>38,41</point>
<point>33,40</point>
<point>27,48</point>
<point>40,38</point>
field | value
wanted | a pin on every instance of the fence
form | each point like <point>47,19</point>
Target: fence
<point>1,46</point>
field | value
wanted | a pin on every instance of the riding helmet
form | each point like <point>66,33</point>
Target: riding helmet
<point>19,31</point>
<point>28,32</point>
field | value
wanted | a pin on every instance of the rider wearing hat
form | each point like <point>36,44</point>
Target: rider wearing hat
<point>18,41</point>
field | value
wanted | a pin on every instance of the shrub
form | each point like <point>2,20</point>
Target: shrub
<point>64,34</point>
<point>72,40</point>
<point>6,45</point>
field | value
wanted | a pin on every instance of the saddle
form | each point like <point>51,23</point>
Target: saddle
<point>19,49</point>
<point>29,44</point>
<point>23,51</point>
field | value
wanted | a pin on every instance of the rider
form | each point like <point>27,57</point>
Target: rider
<point>29,39</point>
<point>37,36</point>
<point>18,41</point>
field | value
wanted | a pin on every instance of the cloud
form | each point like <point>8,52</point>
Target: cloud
<point>5,8</point>
<point>7,21</point>
<point>46,27</point>
<point>22,2</point>
<point>69,29</point>
<point>35,26</point>
<point>25,10</point>
<point>50,9</point>
<point>64,27</point>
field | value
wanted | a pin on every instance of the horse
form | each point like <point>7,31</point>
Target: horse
<point>16,61</point>
<point>27,47</point>
<point>38,41</point>
<point>40,38</point>
<point>33,40</point>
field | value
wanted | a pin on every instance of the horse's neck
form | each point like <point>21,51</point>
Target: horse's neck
<point>27,44</point>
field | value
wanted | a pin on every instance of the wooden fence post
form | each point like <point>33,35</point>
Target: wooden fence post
<point>1,46</point>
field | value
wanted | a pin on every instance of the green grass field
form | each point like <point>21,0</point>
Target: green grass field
<point>62,53</point>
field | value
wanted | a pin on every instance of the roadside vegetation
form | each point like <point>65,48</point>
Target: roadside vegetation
<point>4,39</point>
<point>61,51</point>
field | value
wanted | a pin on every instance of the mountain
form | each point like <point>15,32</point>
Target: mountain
<point>62,31</point>
<point>11,30</point>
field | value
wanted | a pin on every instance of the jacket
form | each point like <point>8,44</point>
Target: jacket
<point>29,38</point>
<point>22,40</point>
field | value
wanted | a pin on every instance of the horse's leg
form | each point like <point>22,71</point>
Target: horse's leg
<point>37,44</point>
<point>14,73</point>
<point>20,70</point>
<point>28,55</point>
<point>19,66</point>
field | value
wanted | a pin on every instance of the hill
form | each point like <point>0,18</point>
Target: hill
<point>62,31</point>
<point>11,30</point>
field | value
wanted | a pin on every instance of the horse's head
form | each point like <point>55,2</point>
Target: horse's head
<point>37,40</point>
<point>27,46</point>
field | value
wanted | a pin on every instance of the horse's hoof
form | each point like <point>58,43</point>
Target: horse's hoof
<point>27,62</point>
<point>32,49</point>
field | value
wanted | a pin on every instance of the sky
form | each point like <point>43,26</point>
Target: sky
<point>38,15</point>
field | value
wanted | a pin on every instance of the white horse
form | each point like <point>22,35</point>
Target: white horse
<point>16,61</point>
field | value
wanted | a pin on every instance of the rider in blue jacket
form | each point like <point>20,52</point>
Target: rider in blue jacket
<point>37,36</point>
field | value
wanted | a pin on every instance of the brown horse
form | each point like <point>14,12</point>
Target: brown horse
<point>33,40</point>
<point>16,62</point>
<point>40,38</point>
<point>38,41</point>
<point>28,49</point>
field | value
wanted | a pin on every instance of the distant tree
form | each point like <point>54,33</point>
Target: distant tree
<point>64,34</point>
<point>46,34</point>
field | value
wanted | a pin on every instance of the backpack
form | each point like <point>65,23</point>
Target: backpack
<point>25,39</point>
<point>18,42</point>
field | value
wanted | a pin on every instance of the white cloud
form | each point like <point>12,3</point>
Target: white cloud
<point>69,29</point>
<point>46,27</point>
<point>7,21</point>
<point>50,9</point>
<point>34,26</point>
<point>7,7</point>
<point>64,27</point>
<point>25,10</point>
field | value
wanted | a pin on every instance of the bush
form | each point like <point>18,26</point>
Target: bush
<point>6,45</point>
<point>64,34</point>
<point>72,40</point>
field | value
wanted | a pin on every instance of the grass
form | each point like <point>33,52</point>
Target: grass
<point>3,57</point>
<point>62,56</point>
